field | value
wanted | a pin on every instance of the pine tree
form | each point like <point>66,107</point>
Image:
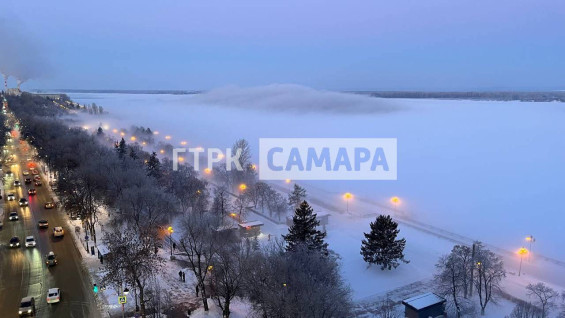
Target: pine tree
<point>381,246</point>
<point>100,132</point>
<point>121,148</point>
<point>303,231</point>
<point>154,166</point>
<point>133,153</point>
<point>296,196</point>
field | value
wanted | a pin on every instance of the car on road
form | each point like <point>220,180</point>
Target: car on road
<point>34,172</point>
<point>38,183</point>
<point>37,178</point>
<point>15,242</point>
<point>13,216</point>
<point>17,183</point>
<point>53,295</point>
<point>51,259</point>
<point>27,307</point>
<point>23,202</point>
<point>27,180</point>
<point>32,191</point>
<point>9,173</point>
<point>49,205</point>
<point>11,197</point>
<point>58,231</point>
<point>25,173</point>
<point>43,224</point>
<point>30,241</point>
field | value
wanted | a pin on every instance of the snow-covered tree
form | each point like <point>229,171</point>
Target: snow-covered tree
<point>489,275</point>
<point>153,166</point>
<point>303,231</point>
<point>380,245</point>
<point>296,196</point>
<point>544,295</point>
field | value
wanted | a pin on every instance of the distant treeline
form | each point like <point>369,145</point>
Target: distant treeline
<point>557,96</point>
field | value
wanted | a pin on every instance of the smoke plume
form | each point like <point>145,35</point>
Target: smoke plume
<point>20,55</point>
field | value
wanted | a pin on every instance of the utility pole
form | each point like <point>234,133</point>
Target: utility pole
<point>472,270</point>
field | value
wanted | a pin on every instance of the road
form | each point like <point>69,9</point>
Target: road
<point>22,270</point>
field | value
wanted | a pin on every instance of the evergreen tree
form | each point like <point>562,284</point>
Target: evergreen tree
<point>100,132</point>
<point>303,231</point>
<point>121,148</point>
<point>133,153</point>
<point>296,196</point>
<point>154,166</point>
<point>381,246</point>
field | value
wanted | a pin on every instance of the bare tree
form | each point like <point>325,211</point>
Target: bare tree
<point>525,310</point>
<point>545,297</point>
<point>490,273</point>
<point>199,242</point>
<point>296,197</point>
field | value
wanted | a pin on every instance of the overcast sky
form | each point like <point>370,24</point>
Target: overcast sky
<point>327,44</point>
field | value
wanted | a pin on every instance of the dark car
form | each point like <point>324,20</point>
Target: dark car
<point>43,224</point>
<point>23,202</point>
<point>15,242</point>
<point>27,307</point>
<point>49,205</point>
<point>27,180</point>
<point>32,191</point>
<point>38,183</point>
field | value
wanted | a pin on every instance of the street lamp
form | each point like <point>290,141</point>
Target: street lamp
<point>530,239</point>
<point>170,230</point>
<point>242,187</point>
<point>395,201</point>
<point>347,196</point>
<point>522,251</point>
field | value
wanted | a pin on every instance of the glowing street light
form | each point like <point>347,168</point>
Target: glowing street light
<point>207,171</point>
<point>181,159</point>
<point>287,180</point>
<point>347,196</point>
<point>530,239</point>
<point>122,134</point>
<point>183,143</point>
<point>242,187</point>
<point>115,131</point>
<point>168,137</point>
<point>522,251</point>
<point>171,231</point>
<point>395,201</point>
<point>132,138</point>
<point>162,151</point>
<point>155,133</point>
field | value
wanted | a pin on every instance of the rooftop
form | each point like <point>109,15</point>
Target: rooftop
<point>423,301</point>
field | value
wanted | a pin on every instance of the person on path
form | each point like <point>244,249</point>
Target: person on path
<point>183,276</point>
<point>180,275</point>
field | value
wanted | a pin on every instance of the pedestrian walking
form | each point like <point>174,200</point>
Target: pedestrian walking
<point>180,275</point>
<point>183,276</point>
<point>174,246</point>
<point>196,290</point>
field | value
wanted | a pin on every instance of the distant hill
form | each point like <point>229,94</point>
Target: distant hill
<point>555,96</point>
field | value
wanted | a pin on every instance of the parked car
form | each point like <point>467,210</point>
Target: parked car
<point>53,295</point>
<point>50,259</point>
<point>49,205</point>
<point>23,202</point>
<point>13,216</point>
<point>15,242</point>
<point>30,241</point>
<point>27,307</point>
<point>58,231</point>
<point>43,224</point>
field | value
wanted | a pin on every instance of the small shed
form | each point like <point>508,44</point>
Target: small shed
<point>424,306</point>
<point>250,229</point>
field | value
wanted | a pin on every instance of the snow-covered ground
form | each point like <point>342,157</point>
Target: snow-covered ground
<point>484,170</point>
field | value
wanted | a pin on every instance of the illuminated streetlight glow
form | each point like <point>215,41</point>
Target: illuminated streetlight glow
<point>242,187</point>
<point>162,151</point>
<point>522,251</point>
<point>115,131</point>
<point>155,133</point>
<point>287,180</point>
<point>207,171</point>
<point>347,196</point>
<point>181,159</point>
<point>122,133</point>
<point>168,137</point>
<point>132,138</point>
<point>170,230</point>
<point>183,143</point>
<point>395,201</point>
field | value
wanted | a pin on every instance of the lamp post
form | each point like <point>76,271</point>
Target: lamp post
<point>522,251</point>
<point>347,196</point>
<point>395,201</point>
<point>530,239</point>
<point>170,230</point>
